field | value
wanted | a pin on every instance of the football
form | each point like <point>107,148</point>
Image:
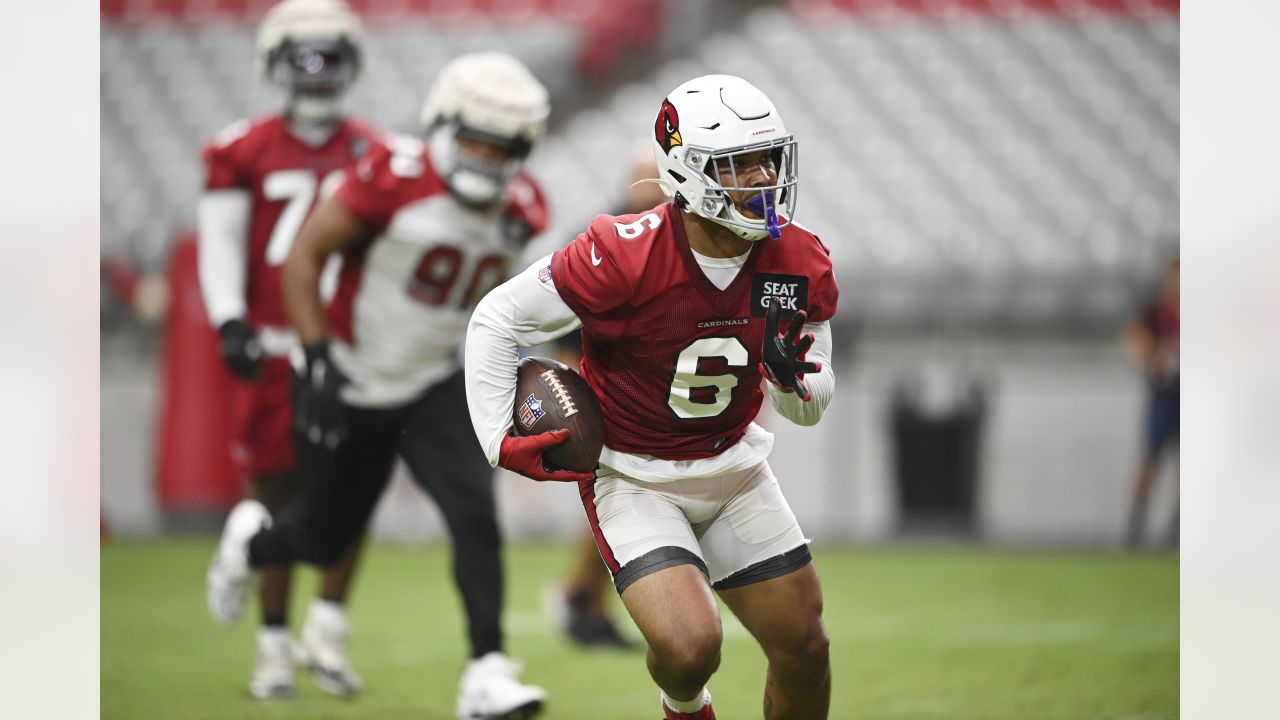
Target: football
<point>551,396</point>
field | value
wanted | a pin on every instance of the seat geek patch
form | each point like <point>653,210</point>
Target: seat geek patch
<point>790,292</point>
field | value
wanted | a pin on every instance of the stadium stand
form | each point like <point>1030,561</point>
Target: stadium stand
<point>1016,165</point>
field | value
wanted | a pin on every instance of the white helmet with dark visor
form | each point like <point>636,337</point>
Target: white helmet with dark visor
<point>311,49</point>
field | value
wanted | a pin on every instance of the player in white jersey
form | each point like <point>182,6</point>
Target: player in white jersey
<point>425,230</point>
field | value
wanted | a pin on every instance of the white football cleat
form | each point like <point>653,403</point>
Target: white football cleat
<point>324,649</point>
<point>227,581</point>
<point>273,671</point>
<point>491,690</point>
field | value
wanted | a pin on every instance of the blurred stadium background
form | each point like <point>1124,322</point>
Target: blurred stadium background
<point>997,181</point>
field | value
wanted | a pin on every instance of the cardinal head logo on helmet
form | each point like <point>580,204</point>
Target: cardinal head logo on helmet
<point>666,128</point>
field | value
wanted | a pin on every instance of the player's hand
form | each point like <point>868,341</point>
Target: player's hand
<point>524,455</point>
<point>318,412</point>
<point>241,350</point>
<point>783,361</point>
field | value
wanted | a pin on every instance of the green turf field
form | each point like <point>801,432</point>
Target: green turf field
<point>917,632</point>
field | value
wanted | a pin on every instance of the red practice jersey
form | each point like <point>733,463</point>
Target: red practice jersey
<point>285,177</point>
<point>672,358</point>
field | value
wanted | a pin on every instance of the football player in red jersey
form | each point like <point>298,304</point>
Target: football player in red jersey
<point>425,230</point>
<point>263,176</point>
<point>686,311</point>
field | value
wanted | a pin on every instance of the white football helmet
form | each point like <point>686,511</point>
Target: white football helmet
<point>701,126</point>
<point>311,49</point>
<point>491,97</point>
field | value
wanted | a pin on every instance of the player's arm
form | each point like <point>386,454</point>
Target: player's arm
<point>821,385</point>
<point>794,363</point>
<point>222,219</point>
<point>331,228</point>
<point>526,310</point>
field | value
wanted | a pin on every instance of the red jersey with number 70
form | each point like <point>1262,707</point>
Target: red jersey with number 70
<point>672,358</point>
<point>285,177</point>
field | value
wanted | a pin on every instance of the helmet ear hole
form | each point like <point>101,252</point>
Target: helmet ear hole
<point>678,177</point>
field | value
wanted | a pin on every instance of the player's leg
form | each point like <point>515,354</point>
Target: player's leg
<point>1174,449</point>
<point>784,614</point>
<point>339,489</point>
<point>647,543</point>
<point>266,448</point>
<point>446,460</point>
<point>677,614</point>
<point>578,604</point>
<point>1142,484</point>
<point>324,635</point>
<point>327,630</point>
<point>336,582</point>
<point>757,555</point>
<point>273,664</point>
<point>1160,427</point>
<point>274,490</point>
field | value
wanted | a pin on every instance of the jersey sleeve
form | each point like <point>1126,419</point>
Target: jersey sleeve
<point>382,181</point>
<point>825,294</point>
<point>526,203</point>
<point>589,277</point>
<point>367,189</point>
<point>224,158</point>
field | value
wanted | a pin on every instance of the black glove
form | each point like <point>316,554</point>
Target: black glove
<point>318,412</point>
<point>783,362</point>
<point>241,350</point>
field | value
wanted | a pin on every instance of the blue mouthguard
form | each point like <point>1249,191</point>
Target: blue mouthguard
<point>763,204</point>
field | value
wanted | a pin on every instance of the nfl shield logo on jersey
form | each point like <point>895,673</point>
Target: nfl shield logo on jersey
<point>530,411</point>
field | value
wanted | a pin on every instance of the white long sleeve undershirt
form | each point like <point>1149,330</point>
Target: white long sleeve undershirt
<point>527,310</point>
<point>223,224</point>
<point>521,312</point>
<point>822,384</point>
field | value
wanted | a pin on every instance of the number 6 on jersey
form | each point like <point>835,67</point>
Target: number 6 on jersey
<point>687,379</point>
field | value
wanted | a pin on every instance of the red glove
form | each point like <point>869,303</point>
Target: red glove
<point>524,455</point>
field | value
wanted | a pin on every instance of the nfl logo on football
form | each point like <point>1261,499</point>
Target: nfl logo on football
<point>530,411</point>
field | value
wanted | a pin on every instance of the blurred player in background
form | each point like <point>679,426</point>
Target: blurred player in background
<point>263,176</point>
<point>578,603</point>
<point>425,230</point>
<point>682,312</point>
<point>1152,341</point>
